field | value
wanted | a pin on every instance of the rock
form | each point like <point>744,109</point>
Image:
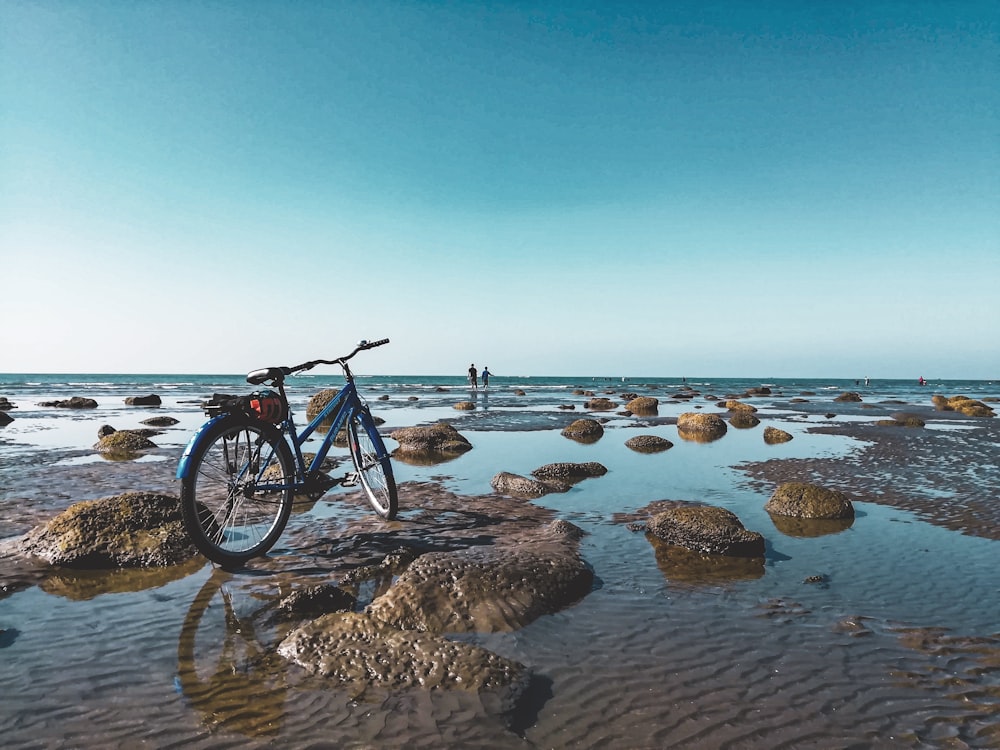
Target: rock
<point>570,472</point>
<point>384,397</point>
<point>699,427</point>
<point>760,391</point>
<point>742,420</point>
<point>902,419</point>
<point>314,601</point>
<point>465,406</point>
<point>6,405</point>
<point>163,421</point>
<point>773,435</point>
<point>132,530</point>
<point>599,404</point>
<point>706,529</point>
<point>77,402</point>
<point>648,444</point>
<point>318,402</point>
<point>644,405</point>
<point>519,392</point>
<point>584,430</point>
<point>489,589</point>
<point>150,400</point>
<point>5,419</point>
<point>123,442</point>
<point>848,396</point>
<point>733,405</point>
<point>360,652</point>
<point>803,500</point>
<point>516,485</point>
<point>440,438</point>
<point>104,430</point>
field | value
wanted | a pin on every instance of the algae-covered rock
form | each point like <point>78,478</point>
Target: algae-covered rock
<point>804,500</point>
<point>465,406</point>
<point>733,405</point>
<point>648,444</point>
<point>151,400</point>
<point>743,420</point>
<point>902,420</point>
<point>584,430</point>
<point>706,529</point>
<point>516,485</point>
<point>773,435</point>
<point>849,396</point>
<point>161,421</point>
<point>599,404</point>
<point>698,427</point>
<point>570,472</point>
<point>123,442</point>
<point>439,439</point>
<point>644,405</point>
<point>134,529</point>
<point>76,402</point>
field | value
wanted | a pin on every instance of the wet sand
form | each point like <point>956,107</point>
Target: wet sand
<point>662,653</point>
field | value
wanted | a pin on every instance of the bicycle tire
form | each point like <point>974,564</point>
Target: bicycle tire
<point>227,518</point>
<point>371,460</point>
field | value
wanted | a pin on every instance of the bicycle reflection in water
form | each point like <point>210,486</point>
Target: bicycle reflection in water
<point>225,669</point>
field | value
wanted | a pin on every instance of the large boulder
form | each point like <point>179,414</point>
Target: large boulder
<point>135,529</point>
<point>773,435</point>
<point>804,500</point>
<point>599,404</point>
<point>643,405</point>
<point>488,589</point>
<point>584,430</point>
<point>706,529</point>
<point>700,428</point>
<point>734,405</point>
<point>742,420</point>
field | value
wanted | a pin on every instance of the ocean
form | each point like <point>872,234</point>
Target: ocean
<point>882,633</point>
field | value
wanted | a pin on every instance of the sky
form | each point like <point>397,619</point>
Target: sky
<point>711,188</point>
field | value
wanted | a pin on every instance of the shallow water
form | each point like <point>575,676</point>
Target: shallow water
<point>896,645</point>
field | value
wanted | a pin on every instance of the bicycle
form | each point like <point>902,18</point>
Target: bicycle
<point>242,469</point>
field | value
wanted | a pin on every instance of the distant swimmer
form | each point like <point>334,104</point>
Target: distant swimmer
<point>921,381</point>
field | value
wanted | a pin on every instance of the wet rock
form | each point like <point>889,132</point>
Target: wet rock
<point>902,420</point>
<point>151,400</point>
<point>319,401</point>
<point>314,601</point>
<point>685,566</point>
<point>803,500</point>
<point>584,430</point>
<point>5,419</point>
<point>439,439</point>
<point>77,402</point>
<point>760,391</point>
<point>6,405</point>
<point>519,392</point>
<point>163,421</point>
<point>699,427</point>
<point>648,443</point>
<point>489,589</point>
<point>743,420</point>
<point>733,405</point>
<point>123,442</point>
<point>516,485</point>
<point>600,404</point>
<point>644,405</point>
<point>570,472</point>
<point>970,407</point>
<point>465,406</point>
<point>384,397</point>
<point>135,529</point>
<point>359,651</point>
<point>706,529</point>
<point>849,396</point>
<point>104,430</point>
<point>773,435</point>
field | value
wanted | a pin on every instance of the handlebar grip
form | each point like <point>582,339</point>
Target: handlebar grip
<point>373,344</point>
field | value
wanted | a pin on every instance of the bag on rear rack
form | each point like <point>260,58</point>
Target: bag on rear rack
<point>265,405</point>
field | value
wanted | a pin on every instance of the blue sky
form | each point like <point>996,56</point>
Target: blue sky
<point>720,189</point>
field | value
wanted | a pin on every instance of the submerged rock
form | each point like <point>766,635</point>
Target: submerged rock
<point>135,529</point>
<point>803,500</point>
<point>706,529</point>
<point>163,421</point>
<point>516,485</point>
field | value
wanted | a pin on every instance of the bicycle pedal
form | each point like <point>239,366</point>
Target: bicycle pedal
<point>349,480</point>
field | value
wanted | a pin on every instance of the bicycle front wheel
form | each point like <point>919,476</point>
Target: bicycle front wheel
<point>371,459</point>
<point>237,495</point>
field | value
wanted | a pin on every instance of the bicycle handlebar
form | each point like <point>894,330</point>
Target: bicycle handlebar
<point>362,345</point>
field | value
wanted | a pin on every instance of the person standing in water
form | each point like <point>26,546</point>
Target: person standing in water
<point>486,377</point>
<point>473,380</point>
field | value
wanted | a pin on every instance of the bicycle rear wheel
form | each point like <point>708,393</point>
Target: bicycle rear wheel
<point>237,496</point>
<point>371,459</point>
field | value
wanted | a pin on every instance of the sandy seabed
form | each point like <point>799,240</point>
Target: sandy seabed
<point>893,642</point>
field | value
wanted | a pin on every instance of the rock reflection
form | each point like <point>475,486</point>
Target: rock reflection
<point>82,585</point>
<point>810,527</point>
<point>681,565</point>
